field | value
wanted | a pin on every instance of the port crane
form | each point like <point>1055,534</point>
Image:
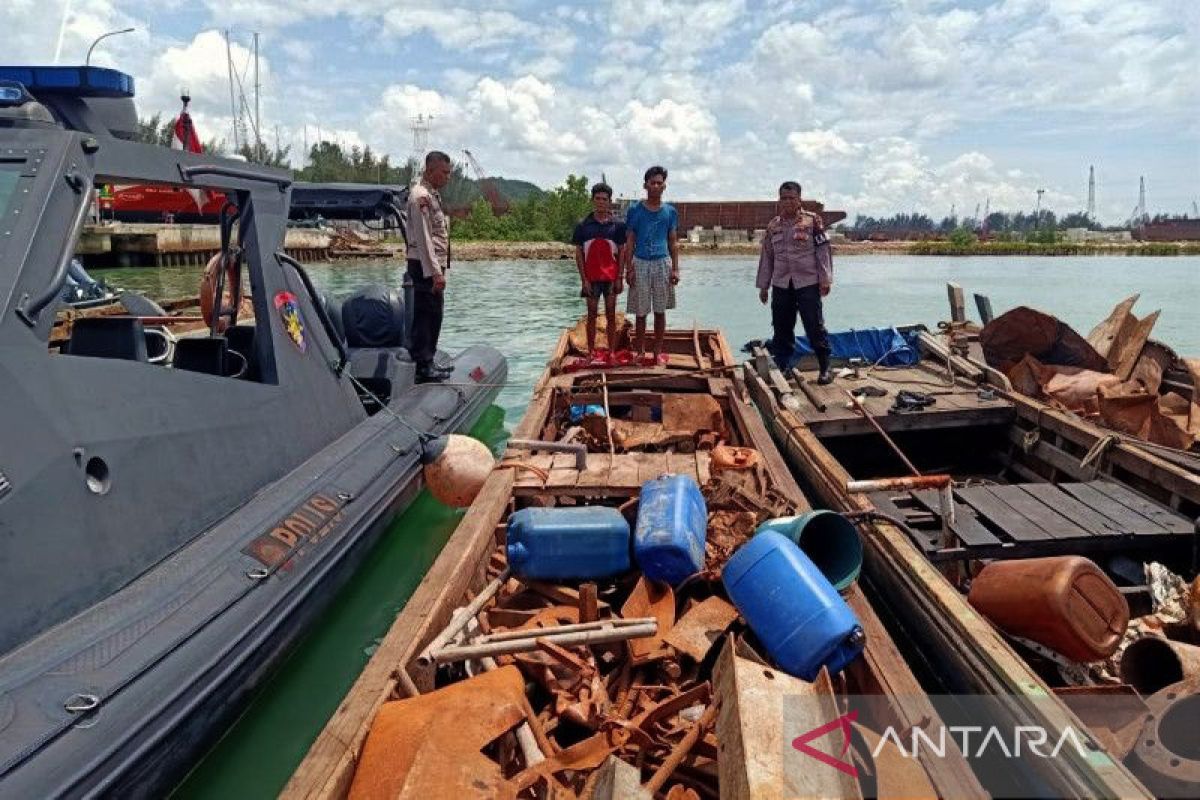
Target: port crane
<point>486,185</point>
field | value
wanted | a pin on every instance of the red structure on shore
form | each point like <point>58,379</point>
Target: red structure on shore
<point>740,214</point>
<point>1176,230</point>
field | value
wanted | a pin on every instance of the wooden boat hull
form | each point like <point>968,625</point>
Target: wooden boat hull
<point>461,570</point>
<point>972,655</point>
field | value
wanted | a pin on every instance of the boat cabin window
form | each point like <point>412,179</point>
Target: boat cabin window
<point>199,314</point>
<point>9,178</point>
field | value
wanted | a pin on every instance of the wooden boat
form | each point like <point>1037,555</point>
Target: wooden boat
<point>1027,480</point>
<point>701,378</point>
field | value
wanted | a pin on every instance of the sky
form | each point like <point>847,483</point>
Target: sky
<point>875,106</point>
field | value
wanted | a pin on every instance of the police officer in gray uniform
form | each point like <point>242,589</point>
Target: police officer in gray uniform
<point>428,259</point>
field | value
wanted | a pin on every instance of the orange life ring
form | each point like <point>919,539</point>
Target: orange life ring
<point>208,289</point>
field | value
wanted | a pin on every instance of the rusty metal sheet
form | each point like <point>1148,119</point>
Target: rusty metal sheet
<point>897,776</point>
<point>701,626</point>
<point>429,745</point>
<point>692,413</point>
<point>650,599</point>
<point>1115,715</point>
<point>727,531</point>
<point>585,755</point>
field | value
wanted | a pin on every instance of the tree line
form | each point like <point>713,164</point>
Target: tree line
<point>997,223</point>
<point>536,215</point>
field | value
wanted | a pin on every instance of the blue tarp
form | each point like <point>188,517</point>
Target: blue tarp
<point>885,346</point>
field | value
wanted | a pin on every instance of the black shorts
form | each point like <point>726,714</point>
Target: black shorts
<point>599,289</point>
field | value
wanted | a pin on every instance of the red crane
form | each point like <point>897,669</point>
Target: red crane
<point>488,186</point>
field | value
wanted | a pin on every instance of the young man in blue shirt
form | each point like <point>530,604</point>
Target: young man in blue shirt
<point>651,261</point>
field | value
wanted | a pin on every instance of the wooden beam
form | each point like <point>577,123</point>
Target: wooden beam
<point>755,761</point>
<point>1144,464</point>
<point>958,307</point>
<point>984,304</point>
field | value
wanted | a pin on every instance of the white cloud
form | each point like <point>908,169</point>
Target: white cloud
<point>818,145</point>
<point>455,28</point>
<point>877,104</point>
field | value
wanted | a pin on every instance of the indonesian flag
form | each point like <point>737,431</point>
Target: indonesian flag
<point>185,138</point>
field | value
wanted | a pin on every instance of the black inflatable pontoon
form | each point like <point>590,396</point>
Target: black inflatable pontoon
<point>168,529</point>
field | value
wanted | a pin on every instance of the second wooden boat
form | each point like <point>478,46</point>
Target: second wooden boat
<point>644,724</point>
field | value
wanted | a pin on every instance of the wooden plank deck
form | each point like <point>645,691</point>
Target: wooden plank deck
<point>954,407</point>
<point>1025,520</point>
<point>619,475</point>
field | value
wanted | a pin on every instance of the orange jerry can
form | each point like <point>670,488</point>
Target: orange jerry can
<point>1065,603</point>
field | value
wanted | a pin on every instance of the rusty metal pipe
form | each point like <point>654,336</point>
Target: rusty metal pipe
<point>1153,663</point>
<point>943,483</point>
<point>680,751</point>
<point>460,618</point>
<point>878,429</point>
<point>579,449</point>
<point>915,483</point>
<point>506,647</point>
<point>525,738</point>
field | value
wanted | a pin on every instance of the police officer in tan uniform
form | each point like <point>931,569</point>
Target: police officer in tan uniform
<point>428,259</point>
<point>796,266</point>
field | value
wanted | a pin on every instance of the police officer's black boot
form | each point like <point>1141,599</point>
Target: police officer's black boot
<point>826,374</point>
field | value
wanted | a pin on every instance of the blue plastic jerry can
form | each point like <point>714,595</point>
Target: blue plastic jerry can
<point>562,543</point>
<point>672,525</point>
<point>792,608</point>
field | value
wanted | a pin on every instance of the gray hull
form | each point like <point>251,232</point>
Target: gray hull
<point>171,658</point>
<point>169,527</point>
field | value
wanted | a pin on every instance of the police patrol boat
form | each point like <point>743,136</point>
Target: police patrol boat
<point>167,529</point>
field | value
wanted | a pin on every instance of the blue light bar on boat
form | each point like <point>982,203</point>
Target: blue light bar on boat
<point>12,94</point>
<point>76,81</point>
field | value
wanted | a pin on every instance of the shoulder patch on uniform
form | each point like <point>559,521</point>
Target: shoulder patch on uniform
<point>773,225</point>
<point>819,238</point>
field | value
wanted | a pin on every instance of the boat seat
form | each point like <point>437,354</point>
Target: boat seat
<point>104,337</point>
<point>210,355</point>
<point>241,341</point>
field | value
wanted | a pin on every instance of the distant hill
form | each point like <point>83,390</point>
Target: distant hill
<point>516,189</point>
<point>464,191</point>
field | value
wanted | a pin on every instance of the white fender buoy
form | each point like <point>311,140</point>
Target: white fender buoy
<point>456,467</point>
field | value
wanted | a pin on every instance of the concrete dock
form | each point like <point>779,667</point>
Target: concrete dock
<point>123,244</point>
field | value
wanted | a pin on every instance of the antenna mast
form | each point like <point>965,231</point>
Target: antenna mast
<point>233,109</point>
<point>1091,206</point>
<point>1138,217</point>
<point>419,126</point>
<point>257,118</point>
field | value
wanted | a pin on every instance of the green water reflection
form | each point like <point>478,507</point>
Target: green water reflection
<point>258,754</point>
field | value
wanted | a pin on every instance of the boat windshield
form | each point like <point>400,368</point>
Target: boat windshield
<point>10,176</point>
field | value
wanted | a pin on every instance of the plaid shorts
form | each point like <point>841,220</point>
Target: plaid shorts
<point>652,289</point>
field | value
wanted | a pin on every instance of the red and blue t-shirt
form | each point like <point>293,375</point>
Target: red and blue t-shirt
<point>601,243</point>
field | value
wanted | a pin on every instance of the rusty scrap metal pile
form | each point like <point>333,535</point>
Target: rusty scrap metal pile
<point>1117,376</point>
<point>601,688</point>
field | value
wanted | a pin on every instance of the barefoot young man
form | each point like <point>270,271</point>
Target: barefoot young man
<point>796,266</point>
<point>652,261</point>
<point>598,240</point>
